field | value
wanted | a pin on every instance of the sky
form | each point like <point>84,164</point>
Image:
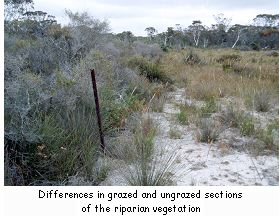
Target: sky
<point>135,16</point>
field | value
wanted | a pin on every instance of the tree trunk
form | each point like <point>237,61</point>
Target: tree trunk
<point>237,39</point>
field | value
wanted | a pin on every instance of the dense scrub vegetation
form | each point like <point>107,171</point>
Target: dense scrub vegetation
<point>50,125</point>
<point>51,132</point>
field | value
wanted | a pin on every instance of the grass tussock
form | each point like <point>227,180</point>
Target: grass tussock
<point>209,107</point>
<point>148,165</point>
<point>231,116</point>
<point>208,130</point>
<point>270,137</point>
<point>187,114</point>
<point>262,101</point>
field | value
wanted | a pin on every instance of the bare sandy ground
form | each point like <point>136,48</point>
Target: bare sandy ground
<point>202,163</point>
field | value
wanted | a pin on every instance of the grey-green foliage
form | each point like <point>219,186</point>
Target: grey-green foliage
<point>262,101</point>
<point>86,32</point>
<point>231,116</point>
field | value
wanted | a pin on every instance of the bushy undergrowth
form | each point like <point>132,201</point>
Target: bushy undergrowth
<point>150,70</point>
<point>65,145</point>
<point>50,123</point>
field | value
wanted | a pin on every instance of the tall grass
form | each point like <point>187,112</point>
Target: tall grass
<point>149,165</point>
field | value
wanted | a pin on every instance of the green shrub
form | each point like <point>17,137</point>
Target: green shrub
<point>165,48</point>
<point>150,70</point>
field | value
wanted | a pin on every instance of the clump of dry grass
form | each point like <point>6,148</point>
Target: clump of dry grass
<point>208,130</point>
<point>229,58</point>
<point>230,116</point>
<point>192,58</point>
<point>203,90</point>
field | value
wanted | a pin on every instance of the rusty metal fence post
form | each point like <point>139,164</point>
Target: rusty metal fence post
<point>98,113</point>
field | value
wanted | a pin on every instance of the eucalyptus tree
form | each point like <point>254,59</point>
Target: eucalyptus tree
<point>151,31</point>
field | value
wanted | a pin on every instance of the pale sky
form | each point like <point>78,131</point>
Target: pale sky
<point>135,16</point>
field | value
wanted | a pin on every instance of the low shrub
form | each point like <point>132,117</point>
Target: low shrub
<point>255,46</point>
<point>65,146</point>
<point>150,70</point>
<point>244,70</point>
<point>147,50</point>
<point>187,114</point>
